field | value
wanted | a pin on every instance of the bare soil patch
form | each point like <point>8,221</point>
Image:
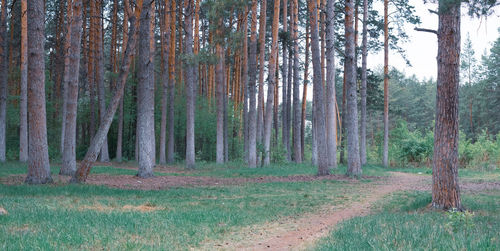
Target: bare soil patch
<point>164,182</point>
<point>104,208</point>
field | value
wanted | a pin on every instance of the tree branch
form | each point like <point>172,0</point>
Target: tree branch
<point>426,30</point>
<point>433,11</point>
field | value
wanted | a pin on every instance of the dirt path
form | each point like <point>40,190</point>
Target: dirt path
<point>297,234</point>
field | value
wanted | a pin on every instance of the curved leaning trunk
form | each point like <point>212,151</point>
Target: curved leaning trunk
<point>85,166</point>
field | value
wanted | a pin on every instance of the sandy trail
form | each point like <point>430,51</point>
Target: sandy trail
<point>300,233</point>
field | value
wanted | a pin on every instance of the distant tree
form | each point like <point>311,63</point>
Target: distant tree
<point>262,50</point>
<point>190,85</point>
<point>4,68</point>
<point>23,99</point>
<point>364,56</point>
<point>252,73</point>
<point>297,120</point>
<point>271,83</point>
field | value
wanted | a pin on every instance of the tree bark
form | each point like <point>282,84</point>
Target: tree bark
<point>252,71</point>
<point>165,31</point>
<point>219,74</point>
<point>331,123</point>
<point>353,161</point>
<point>304,93</point>
<point>119,140</point>
<point>363,83</point>
<point>85,166</point>
<point>65,54</point>
<point>262,50</point>
<point>386,85</point>
<point>4,68</point>
<point>69,154</point>
<point>190,86</point>
<point>285,134</point>
<point>38,166</point>
<point>145,95</point>
<point>271,83</point>
<point>318,94</point>
<point>23,100</point>
<point>297,148</point>
<point>99,75</point>
<point>445,188</point>
<point>171,87</point>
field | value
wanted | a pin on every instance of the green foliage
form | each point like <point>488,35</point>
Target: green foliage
<point>483,154</point>
<point>410,147</point>
<point>458,220</point>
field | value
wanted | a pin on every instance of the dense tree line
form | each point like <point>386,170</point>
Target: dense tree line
<point>107,79</point>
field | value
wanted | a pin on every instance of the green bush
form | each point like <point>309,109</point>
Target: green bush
<point>410,147</point>
<point>483,154</point>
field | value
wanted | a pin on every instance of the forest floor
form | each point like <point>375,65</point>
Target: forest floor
<point>224,207</point>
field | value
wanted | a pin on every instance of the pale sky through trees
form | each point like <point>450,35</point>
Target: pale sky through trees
<point>422,47</point>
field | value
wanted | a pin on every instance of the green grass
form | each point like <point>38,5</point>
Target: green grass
<point>93,217</point>
<point>403,223</point>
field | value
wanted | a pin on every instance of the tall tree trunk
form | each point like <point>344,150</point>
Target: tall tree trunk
<point>244,81</point>
<point>99,75</point>
<point>331,124</point>
<point>69,154</point>
<point>220,100</point>
<point>288,103</point>
<point>252,71</point>
<point>297,135</point>
<point>91,62</point>
<point>171,87</point>
<point>285,134</point>
<point>119,140</point>
<point>262,50</point>
<point>304,93</point>
<point>353,161</point>
<point>445,188</point>
<point>363,83</point>
<point>38,166</point>
<point>270,87</point>
<point>67,41</point>
<point>85,166</point>
<point>386,84</point>
<point>343,118</point>
<point>23,103</point>
<point>145,95</point>
<point>165,31</point>
<point>190,86</point>
<point>319,123</point>
<point>4,67</point>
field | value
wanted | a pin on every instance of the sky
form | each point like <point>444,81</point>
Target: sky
<point>422,47</point>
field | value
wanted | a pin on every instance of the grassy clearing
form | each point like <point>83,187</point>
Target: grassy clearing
<point>94,217</point>
<point>404,223</point>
